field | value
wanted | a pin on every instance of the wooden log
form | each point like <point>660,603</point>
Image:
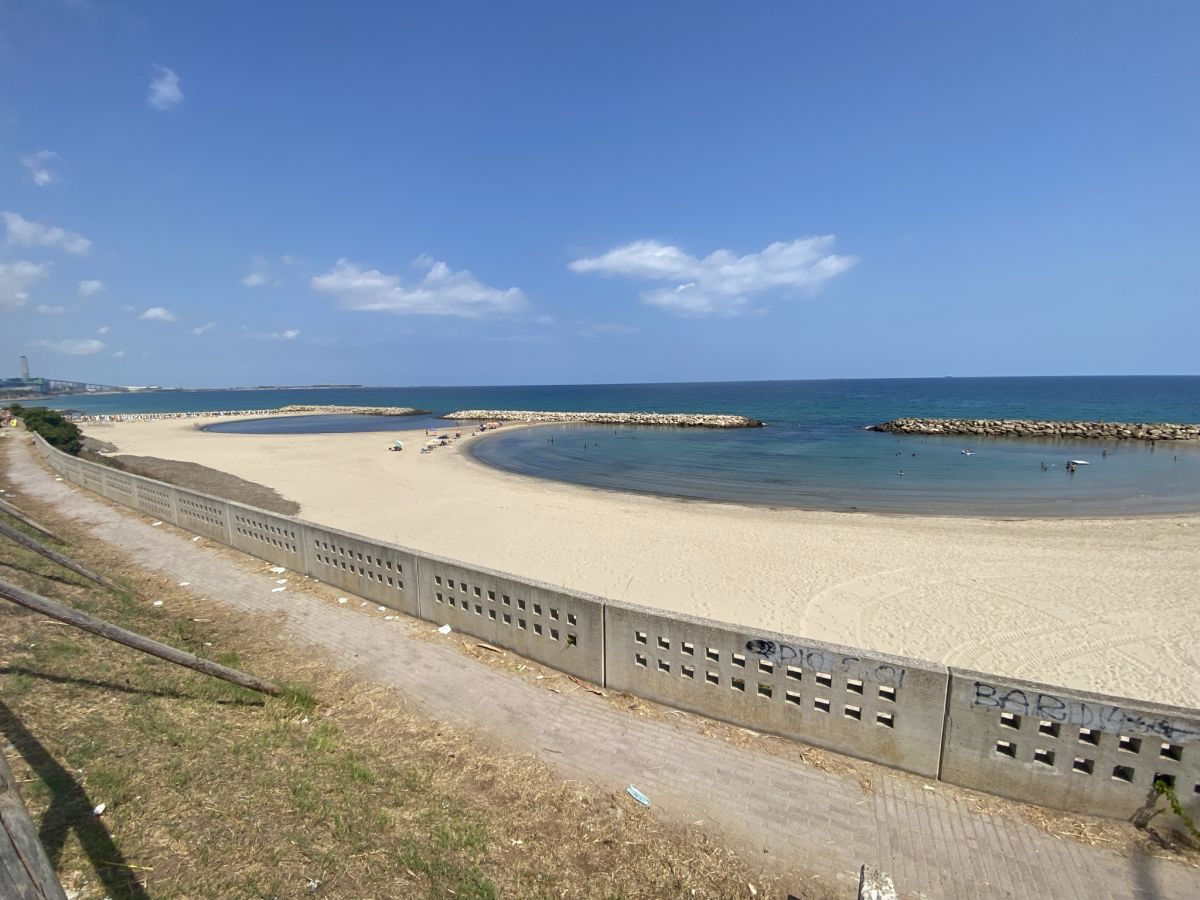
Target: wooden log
<point>25,871</point>
<point>82,620</point>
<point>21,517</point>
<point>29,543</point>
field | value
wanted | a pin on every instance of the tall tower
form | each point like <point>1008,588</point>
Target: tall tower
<point>24,368</point>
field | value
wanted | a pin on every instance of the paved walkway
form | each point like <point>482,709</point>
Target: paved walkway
<point>933,842</point>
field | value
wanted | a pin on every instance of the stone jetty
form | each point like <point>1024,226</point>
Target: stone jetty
<point>1116,431</point>
<point>683,420</point>
<point>357,410</point>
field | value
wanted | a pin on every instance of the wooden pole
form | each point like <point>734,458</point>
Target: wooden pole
<point>21,517</point>
<point>130,639</point>
<point>26,541</point>
<point>25,872</point>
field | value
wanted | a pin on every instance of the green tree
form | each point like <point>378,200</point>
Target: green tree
<point>57,431</point>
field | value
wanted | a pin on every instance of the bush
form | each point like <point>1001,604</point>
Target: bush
<point>57,431</point>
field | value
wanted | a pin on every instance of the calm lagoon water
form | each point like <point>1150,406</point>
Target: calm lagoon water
<point>814,451</point>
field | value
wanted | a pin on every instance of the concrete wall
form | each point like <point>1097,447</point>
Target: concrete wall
<point>883,708</point>
<point>1068,749</point>
<point>1073,750</point>
<point>560,628</point>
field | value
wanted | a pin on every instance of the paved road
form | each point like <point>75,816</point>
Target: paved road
<point>933,842</point>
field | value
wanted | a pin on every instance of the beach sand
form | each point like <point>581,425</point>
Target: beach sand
<point>1108,605</point>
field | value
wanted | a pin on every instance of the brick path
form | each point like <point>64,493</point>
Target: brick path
<point>933,842</point>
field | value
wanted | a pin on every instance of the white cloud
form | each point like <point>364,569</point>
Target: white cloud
<point>15,279</point>
<point>164,89</point>
<point>38,165</point>
<point>441,292</point>
<point>88,288</point>
<point>103,329</point>
<point>254,279</point>
<point>118,354</point>
<point>205,328</point>
<point>158,314</point>
<point>288,334</point>
<point>73,346</point>
<point>44,310</point>
<point>23,233</point>
<point>721,282</point>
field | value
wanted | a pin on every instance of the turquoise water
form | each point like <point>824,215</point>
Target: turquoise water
<point>814,451</point>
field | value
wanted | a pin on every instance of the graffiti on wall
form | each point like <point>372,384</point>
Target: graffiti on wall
<point>818,660</point>
<point>1084,713</point>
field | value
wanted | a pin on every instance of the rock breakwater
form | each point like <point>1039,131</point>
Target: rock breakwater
<point>682,420</point>
<point>1117,431</point>
<point>221,413</point>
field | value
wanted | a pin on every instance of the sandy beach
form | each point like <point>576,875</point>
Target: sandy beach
<point>1100,604</point>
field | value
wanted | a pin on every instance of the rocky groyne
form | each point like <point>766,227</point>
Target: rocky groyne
<point>1116,431</point>
<point>682,420</point>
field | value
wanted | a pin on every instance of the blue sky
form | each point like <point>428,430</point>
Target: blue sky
<point>468,193</point>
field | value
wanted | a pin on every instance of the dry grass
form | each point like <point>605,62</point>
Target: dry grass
<point>336,790</point>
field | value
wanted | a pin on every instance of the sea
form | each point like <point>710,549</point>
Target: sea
<point>814,451</point>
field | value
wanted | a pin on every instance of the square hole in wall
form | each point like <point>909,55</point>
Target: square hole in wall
<point>1129,744</point>
<point>1010,720</point>
<point>537,628</point>
<point>1049,728</point>
<point>821,704</point>
<point>824,679</point>
<point>491,595</point>
<point>852,712</point>
<point>520,603</point>
<point>478,592</point>
<point>854,685</point>
<point>639,659</point>
<point>1122,773</point>
<point>1171,751</point>
<point>572,640</point>
<point>738,684</point>
<point>462,586</point>
<point>571,619</point>
<point>521,623</point>
<point>664,643</point>
<point>1089,736</point>
<point>710,653</point>
<point>887,720</point>
<point>664,666</point>
<point>792,697</point>
<point>554,634</point>
<point>478,609</point>
<point>554,614</point>
<point>537,609</point>
<point>437,579</point>
<point>887,692</point>
<point>687,671</point>
<point>506,600</point>
<point>508,618</point>
<point>492,614</point>
<point>765,665</point>
<point>688,648</point>
<point>765,690</point>
<point>1168,780</point>
<point>438,596</point>
<point>640,637</point>
<point>1045,757</point>
<point>795,673</point>
<point>712,677</point>
<point>738,660</point>
<point>1082,766</point>
<point>1006,748</point>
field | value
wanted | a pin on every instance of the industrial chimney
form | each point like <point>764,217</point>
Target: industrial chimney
<point>24,368</point>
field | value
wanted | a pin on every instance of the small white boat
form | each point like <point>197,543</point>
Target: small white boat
<point>1080,462</point>
<point>967,452</point>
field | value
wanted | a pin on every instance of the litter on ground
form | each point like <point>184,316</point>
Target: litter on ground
<point>637,795</point>
<point>445,629</point>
